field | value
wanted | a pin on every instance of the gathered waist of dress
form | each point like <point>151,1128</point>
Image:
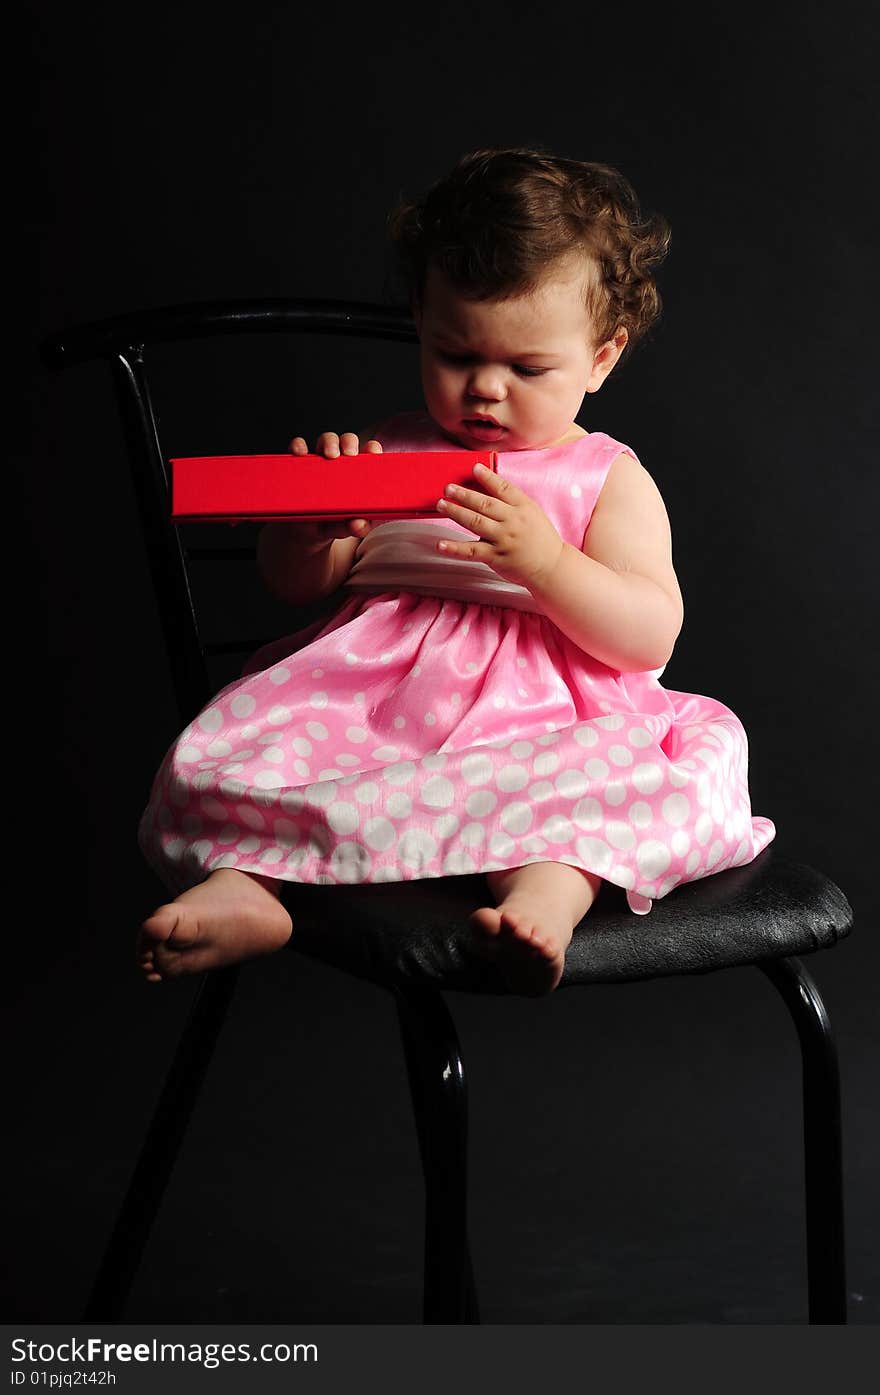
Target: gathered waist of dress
<point>402,556</point>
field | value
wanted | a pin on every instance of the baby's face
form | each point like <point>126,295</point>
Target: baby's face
<point>511,374</point>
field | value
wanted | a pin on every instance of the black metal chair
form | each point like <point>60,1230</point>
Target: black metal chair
<point>412,938</point>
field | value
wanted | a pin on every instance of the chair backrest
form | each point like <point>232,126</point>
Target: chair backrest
<point>178,554</point>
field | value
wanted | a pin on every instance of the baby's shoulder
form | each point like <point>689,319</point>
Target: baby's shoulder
<point>629,492</point>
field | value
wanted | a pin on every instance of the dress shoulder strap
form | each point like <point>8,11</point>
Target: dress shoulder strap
<point>565,480</point>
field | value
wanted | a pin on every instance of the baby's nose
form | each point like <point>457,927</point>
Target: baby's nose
<point>487,383</point>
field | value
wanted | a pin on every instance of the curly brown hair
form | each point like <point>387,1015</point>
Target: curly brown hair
<point>501,217</point>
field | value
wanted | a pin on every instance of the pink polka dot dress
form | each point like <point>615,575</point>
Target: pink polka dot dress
<point>438,725</point>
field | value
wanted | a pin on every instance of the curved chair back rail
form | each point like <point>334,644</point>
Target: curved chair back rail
<point>201,319</point>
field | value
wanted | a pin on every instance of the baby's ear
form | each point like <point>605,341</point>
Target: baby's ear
<point>605,358</point>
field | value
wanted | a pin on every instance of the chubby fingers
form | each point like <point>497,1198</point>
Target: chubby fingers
<point>481,513</point>
<point>331,445</point>
<point>494,497</point>
<point>498,487</point>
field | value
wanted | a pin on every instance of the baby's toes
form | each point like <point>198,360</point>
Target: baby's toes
<point>538,946</point>
<point>147,966</point>
<point>161,925</point>
<point>519,926</point>
<point>172,961</point>
<point>541,940</point>
<point>168,962</point>
<point>487,921</point>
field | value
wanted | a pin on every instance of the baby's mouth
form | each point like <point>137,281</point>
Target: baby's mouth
<point>486,428</point>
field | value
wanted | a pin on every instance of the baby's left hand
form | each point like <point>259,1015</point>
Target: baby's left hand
<point>515,536</point>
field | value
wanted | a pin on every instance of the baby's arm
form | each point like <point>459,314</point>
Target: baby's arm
<point>301,562</point>
<point>617,599</point>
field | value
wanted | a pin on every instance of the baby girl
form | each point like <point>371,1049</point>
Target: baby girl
<point>486,695</point>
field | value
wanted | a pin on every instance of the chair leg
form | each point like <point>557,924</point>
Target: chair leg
<point>826,1262</point>
<point>437,1085</point>
<point>161,1147</point>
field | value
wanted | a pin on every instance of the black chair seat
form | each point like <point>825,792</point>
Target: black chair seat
<point>416,934</point>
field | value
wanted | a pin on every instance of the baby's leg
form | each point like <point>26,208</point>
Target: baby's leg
<point>530,928</point>
<point>230,916</point>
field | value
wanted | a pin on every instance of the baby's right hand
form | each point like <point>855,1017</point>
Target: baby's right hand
<point>331,445</point>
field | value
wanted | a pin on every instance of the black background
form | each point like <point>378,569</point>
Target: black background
<point>635,1151</point>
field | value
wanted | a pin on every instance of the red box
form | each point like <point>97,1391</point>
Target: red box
<point>399,484</point>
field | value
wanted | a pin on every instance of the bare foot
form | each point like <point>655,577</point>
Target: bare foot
<point>530,929</point>
<point>529,952</point>
<point>228,917</point>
